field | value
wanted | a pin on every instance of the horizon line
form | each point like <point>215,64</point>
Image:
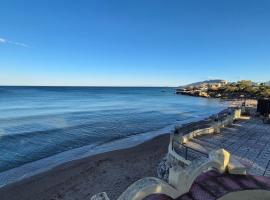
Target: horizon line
<point>79,86</point>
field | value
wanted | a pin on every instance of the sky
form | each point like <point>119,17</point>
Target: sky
<point>133,42</point>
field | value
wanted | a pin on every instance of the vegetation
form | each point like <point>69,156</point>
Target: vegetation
<point>241,89</point>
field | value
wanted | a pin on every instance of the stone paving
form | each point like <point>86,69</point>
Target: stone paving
<point>248,140</point>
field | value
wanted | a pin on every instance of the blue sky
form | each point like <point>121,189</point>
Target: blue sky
<point>133,42</point>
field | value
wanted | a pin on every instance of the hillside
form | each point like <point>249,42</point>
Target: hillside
<point>197,84</point>
<point>225,90</point>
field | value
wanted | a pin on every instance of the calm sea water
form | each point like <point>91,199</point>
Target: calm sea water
<point>38,122</point>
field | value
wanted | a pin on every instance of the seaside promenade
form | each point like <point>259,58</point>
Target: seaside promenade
<point>248,140</point>
<point>225,156</point>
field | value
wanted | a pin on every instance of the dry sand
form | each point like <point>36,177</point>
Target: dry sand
<point>112,172</point>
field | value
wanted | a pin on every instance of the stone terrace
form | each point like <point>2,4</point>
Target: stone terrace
<point>248,140</point>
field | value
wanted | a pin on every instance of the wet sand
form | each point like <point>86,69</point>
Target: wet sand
<point>112,172</point>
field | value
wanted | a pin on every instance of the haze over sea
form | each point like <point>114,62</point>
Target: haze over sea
<point>38,122</point>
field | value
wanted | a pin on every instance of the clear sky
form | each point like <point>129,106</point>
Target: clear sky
<point>133,42</point>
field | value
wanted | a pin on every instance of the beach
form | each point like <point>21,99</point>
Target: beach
<point>112,172</point>
<point>41,122</point>
<point>54,139</point>
<point>103,100</point>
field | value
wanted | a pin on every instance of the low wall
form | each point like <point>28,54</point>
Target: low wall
<point>177,152</point>
<point>215,124</point>
<point>181,179</point>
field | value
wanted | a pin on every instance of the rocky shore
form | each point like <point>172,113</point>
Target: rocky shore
<point>224,90</point>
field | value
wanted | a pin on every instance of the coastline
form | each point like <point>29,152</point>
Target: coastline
<point>34,168</point>
<point>57,180</point>
<point>112,172</point>
<point>43,165</point>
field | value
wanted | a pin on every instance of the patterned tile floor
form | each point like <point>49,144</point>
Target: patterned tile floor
<point>249,140</point>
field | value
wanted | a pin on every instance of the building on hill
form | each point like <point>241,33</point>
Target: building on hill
<point>217,84</point>
<point>201,88</point>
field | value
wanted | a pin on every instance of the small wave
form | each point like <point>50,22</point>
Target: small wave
<point>65,113</point>
<point>44,164</point>
<point>47,163</point>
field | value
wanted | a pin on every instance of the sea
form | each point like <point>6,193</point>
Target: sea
<point>38,123</point>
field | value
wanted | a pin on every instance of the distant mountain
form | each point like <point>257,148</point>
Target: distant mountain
<point>214,81</point>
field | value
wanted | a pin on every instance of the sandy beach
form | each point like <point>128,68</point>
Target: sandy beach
<point>112,172</point>
<point>97,95</point>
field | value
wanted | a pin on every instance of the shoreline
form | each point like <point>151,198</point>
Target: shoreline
<point>80,179</point>
<point>40,166</point>
<point>136,150</point>
<point>37,167</point>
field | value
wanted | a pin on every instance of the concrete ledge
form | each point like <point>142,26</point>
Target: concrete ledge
<point>177,156</point>
<point>146,186</point>
<point>214,127</point>
<point>184,178</point>
<point>180,179</point>
<point>235,167</point>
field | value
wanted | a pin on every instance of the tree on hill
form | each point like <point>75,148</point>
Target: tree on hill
<point>244,84</point>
